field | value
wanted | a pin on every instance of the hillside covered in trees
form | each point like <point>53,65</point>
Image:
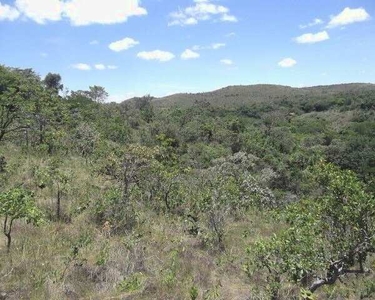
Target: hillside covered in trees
<point>248,192</point>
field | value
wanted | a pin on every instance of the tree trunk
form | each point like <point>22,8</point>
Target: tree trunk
<point>166,201</point>
<point>8,231</point>
<point>58,204</point>
<point>2,134</point>
<point>317,284</point>
<point>9,242</point>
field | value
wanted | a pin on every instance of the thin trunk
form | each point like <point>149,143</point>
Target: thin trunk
<point>9,242</point>
<point>27,139</point>
<point>41,133</point>
<point>58,207</point>
<point>166,196</point>
<point>8,232</point>
<point>2,134</point>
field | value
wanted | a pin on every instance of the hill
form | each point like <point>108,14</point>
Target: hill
<point>242,95</point>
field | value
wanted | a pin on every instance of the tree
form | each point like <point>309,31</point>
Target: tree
<point>26,105</point>
<point>126,167</point>
<point>144,104</point>
<point>162,183</point>
<point>232,185</point>
<point>46,112</point>
<point>12,101</point>
<point>16,204</point>
<point>328,237</point>
<point>86,138</point>
<point>53,82</point>
<point>98,94</point>
<point>52,176</point>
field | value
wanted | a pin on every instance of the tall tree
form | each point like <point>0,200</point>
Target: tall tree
<point>53,82</point>
<point>16,88</point>
<point>98,93</point>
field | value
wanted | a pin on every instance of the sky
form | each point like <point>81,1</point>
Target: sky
<point>162,47</point>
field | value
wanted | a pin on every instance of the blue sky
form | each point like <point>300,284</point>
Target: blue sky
<point>161,47</point>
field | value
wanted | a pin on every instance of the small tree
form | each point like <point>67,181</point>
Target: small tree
<point>328,237</point>
<point>228,188</point>
<point>85,139</point>
<point>126,167</point>
<point>145,106</point>
<point>16,204</point>
<point>54,177</point>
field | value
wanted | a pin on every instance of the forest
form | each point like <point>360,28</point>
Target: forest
<point>247,192</point>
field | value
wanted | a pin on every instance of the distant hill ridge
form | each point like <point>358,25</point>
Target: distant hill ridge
<point>247,94</point>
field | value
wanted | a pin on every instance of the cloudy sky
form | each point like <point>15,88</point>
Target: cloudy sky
<point>161,47</point>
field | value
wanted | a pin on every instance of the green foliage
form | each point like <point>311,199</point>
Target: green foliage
<point>212,294</point>
<point>58,180</point>
<point>74,257</point>
<point>86,139</point>
<point>327,236</point>
<point>97,94</point>
<point>193,292</point>
<point>132,283</point>
<point>16,204</point>
<point>16,90</point>
<point>369,291</point>
<point>306,295</point>
<point>53,82</point>
<point>102,256</point>
<point>169,274</point>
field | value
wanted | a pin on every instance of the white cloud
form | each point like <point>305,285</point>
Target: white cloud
<point>8,13</point>
<point>311,38</point>
<point>202,10</point>
<point>229,18</point>
<point>218,46</point>
<point>189,21</point>
<point>287,63</point>
<point>82,67</point>
<point>159,55</point>
<point>123,44</point>
<point>214,46</point>
<point>227,62</point>
<point>83,12</point>
<point>41,11</point>
<point>100,67</point>
<point>78,12</point>
<point>189,54</point>
<point>231,34</point>
<point>311,24</point>
<point>349,16</point>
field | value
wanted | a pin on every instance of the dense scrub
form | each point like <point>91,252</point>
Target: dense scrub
<point>262,192</point>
